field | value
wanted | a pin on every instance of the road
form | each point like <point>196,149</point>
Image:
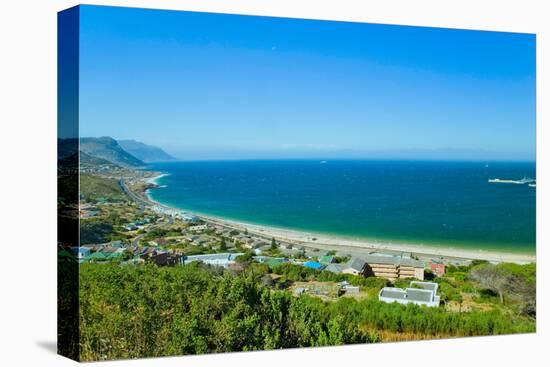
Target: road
<point>132,195</point>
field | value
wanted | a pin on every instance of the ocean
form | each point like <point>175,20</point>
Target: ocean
<point>448,204</point>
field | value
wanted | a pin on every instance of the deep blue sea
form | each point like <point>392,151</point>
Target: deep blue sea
<point>432,203</point>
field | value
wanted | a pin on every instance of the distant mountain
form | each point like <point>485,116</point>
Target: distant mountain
<point>146,153</point>
<point>109,149</point>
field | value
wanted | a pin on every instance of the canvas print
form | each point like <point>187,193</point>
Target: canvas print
<point>238,183</point>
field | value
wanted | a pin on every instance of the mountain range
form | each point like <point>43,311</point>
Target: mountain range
<point>144,152</point>
<point>108,151</point>
<point>108,148</point>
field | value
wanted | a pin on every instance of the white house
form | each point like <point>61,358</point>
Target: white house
<point>420,293</point>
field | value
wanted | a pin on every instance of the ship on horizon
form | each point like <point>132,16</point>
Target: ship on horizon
<point>524,180</point>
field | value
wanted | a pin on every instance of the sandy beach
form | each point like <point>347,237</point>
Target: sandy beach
<point>154,180</point>
<point>331,242</point>
<point>356,247</point>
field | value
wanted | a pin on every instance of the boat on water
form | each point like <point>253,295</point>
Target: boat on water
<point>524,180</point>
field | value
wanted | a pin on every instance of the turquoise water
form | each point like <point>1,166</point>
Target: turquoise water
<point>432,203</point>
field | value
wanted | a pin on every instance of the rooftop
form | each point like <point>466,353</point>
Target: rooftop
<point>393,260</point>
<point>395,293</point>
<point>421,295</point>
<point>418,292</point>
<point>355,264</point>
<point>313,265</point>
<point>335,268</point>
<point>425,285</point>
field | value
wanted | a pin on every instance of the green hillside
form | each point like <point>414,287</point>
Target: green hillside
<point>108,148</point>
<point>95,188</point>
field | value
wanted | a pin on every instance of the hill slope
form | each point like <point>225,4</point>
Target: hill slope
<point>108,148</point>
<point>147,153</point>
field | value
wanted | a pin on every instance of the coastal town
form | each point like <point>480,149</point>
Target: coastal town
<point>155,262</point>
<point>145,231</point>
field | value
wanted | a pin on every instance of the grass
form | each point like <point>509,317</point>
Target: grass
<point>95,188</point>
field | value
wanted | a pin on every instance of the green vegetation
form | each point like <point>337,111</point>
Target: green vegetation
<point>297,273</point>
<point>146,311</point>
<point>131,311</point>
<point>95,231</point>
<point>96,189</point>
<point>506,286</point>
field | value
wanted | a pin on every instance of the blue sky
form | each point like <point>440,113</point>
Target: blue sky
<point>213,86</point>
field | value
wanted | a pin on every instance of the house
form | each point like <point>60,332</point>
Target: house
<point>354,266</point>
<point>420,293</point>
<point>98,257</point>
<point>130,227</point>
<point>81,253</point>
<point>393,267</point>
<point>334,268</point>
<point>101,256</point>
<point>111,250</point>
<point>223,260</point>
<point>437,267</point>
<point>190,218</point>
<point>93,247</point>
<point>148,252</point>
<point>348,288</point>
<point>166,259</point>
<point>326,259</point>
<point>198,228</point>
<point>314,265</point>
<point>118,244</point>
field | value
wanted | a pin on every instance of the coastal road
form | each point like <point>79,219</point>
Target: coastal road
<point>141,201</point>
<point>132,195</point>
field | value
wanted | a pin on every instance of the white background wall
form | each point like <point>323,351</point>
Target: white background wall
<point>28,180</point>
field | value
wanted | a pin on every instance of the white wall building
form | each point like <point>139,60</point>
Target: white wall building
<point>420,293</point>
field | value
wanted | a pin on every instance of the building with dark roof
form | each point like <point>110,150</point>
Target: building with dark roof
<point>166,259</point>
<point>334,268</point>
<point>354,266</point>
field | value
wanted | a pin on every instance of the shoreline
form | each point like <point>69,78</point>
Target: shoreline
<point>153,180</point>
<point>341,243</point>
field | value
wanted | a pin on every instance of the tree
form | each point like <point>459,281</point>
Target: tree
<point>246,257</point>
<point>273,244</point>
<point>223,245</point>
<point>493,278</point>
<point>127,255</point>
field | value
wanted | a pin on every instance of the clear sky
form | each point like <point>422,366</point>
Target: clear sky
<point>217,86</point>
